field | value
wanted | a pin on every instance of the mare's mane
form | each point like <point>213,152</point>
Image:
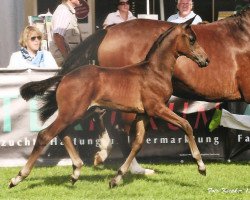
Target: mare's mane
<point>241,13</point>
<point>84,53</point>
<point>237,18</point>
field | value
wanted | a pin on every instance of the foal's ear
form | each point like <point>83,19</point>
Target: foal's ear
<point>187,23</point>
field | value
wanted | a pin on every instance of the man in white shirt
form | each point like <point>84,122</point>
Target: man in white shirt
<point>121,15</point>
<point>65,30</point>
<point>185,13</point>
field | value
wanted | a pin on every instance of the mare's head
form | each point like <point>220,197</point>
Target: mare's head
<point>186,44</point>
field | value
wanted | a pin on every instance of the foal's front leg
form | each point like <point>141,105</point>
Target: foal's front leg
<point>168,115</point>
<point>136,146</point>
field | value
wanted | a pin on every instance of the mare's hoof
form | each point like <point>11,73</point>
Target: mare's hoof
<point>97,159</point>
<point>112,183</point>
<point>73,180</point>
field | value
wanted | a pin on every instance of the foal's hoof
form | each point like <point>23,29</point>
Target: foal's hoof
<point>73,180</point>
<point>113,183</point>
<point>11,184</point>
<point>203,172</point>
<point>97,160</point>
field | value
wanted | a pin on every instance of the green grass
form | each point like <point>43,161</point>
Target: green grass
<point>172,181</point>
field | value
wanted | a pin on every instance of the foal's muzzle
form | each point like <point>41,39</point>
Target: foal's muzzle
<point>204,63</point>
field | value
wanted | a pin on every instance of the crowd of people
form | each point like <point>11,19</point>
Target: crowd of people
<point>66,33</point>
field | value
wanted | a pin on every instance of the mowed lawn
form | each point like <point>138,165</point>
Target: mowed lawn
<point>171,181</point>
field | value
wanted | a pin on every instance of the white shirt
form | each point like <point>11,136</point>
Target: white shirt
<point>61,19</point>
<point>17,61</point>
<point>115,18</point>
<point>176,18</point>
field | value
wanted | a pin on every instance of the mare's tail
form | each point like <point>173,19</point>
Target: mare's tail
<point>48,97</point>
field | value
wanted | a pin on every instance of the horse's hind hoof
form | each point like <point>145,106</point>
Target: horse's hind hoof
<point>73,180</point>
<point>11,185</point>
<point>112,184</point>
<point>203,172</point>
<point>97,160</point>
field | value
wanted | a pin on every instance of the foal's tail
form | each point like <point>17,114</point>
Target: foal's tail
<point>38,88</point>
<point>48,97</point>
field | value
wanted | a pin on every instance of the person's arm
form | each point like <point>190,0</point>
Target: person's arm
<point>49,60</point>
<point>107,21</point>
<point>60,43</point>
<point>15,61</point>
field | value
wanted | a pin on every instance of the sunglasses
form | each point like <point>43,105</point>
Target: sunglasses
<point>124,3</point>
<point>35,37</point>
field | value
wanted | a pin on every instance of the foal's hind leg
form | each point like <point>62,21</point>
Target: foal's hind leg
<point>43,139</point>
<point>76,160</point>
<point>165,113</point>
<point>136,146</point>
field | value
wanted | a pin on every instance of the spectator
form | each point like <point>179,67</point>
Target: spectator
<point>30,54</point>
<point>66,34</point>
<point>185,13</point>
<point>121,15</point>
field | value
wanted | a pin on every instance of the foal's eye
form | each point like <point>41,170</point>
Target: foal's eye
<point>191,40</point>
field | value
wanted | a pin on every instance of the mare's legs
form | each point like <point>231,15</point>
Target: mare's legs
<point>141,122</point>
<point>165,113</point>
<point>105,141</point>
<point>121,137</point>
<point>105,148</point>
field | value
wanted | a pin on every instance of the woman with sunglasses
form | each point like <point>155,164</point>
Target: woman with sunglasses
<point>30,54</point>
<point>121,15</point>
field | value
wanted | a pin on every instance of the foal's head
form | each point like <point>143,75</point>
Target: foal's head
<point>186,44</point>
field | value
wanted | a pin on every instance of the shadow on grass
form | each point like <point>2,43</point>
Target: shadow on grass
<point>64,180</point>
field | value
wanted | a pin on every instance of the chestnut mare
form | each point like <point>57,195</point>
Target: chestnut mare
<point>225,41</point>
<point>143,88</point>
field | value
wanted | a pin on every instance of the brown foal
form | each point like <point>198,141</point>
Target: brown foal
<point>143,88</point>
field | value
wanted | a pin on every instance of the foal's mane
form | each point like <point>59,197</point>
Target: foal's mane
<point>158,42</point>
